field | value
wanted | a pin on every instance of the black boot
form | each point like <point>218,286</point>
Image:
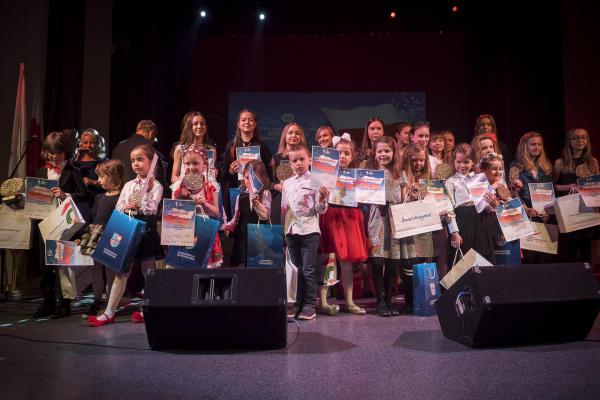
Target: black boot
<point>48,306</point>
<point>382,310</point>
<point>62,310</point>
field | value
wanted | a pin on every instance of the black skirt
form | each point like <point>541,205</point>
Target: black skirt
<point>477,230</point>
<point>150,245</point>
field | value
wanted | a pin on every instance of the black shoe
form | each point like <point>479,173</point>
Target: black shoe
<point>43,311</point>
<point>62,310</point>
<point>393,310</point>
<point>383,310</point>
<point>293,311</point>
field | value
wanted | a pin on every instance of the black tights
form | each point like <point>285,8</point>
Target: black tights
<point>383,281</point>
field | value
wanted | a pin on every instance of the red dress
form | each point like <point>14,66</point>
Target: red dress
<point>216,255</point>
<point>343,233</point>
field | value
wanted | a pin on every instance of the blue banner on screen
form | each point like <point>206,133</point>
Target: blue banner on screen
<point>344,112</point>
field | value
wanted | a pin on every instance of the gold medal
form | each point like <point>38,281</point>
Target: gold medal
<point>284,171</point>
<point>443,171</point>
<point>583,171</point>
<point>513,175</point>
<point>192,182</point>
<point>11,187</point>
<point>136,197</point>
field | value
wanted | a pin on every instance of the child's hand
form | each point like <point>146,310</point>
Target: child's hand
<point>531,212</point>
<point>323,194</point>
<point>456,240</point>
<point>254,199</point>
<point>150,184</point>
<point>200,199</point>
<point>234,167</point>
<point>491,199</point>
<point>57,192</point>
<point>518,184</point>
<point>184,194</point>
<point>131,206</point>
<point>228,228</point>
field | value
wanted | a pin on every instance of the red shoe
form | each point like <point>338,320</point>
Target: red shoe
<point>95,322</point>
<point>137,317</point>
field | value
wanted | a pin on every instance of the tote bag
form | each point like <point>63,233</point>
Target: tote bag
<point>264,246</point>
<point>119,242</point>
<point>195,256</point>
<point>415,217</point>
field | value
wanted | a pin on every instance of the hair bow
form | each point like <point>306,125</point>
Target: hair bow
<point>345,136</point>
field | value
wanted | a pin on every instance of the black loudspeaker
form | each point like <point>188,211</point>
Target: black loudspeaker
<point>524,304</point>
<point>216,308</point>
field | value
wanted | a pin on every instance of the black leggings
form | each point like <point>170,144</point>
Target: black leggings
<point>383,281</point>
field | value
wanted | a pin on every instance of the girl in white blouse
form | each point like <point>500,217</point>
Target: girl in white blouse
<point>143,206</point>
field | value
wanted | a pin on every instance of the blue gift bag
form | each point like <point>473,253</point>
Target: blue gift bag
<point>265,246</point>
<point>119,242</point>
<point>509,253</point>
<point>426,289</point>
<point>195,256</point>
<point>233,195</point>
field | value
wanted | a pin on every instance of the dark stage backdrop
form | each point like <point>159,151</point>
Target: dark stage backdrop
<point>491,59</point>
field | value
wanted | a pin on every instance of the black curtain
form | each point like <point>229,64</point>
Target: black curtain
<point>64,69</point>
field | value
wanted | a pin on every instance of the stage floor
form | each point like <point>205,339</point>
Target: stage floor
<point>341,357</point>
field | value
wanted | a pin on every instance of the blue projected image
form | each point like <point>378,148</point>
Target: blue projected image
<point>344,112</point>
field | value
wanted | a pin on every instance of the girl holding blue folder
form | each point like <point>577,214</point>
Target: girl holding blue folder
<point>142,205</point>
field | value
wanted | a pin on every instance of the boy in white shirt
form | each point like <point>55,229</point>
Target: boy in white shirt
<point>301,206</point>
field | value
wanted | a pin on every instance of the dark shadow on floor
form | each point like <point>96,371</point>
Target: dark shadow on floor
<point>298,343</point>
<point>429,341</point>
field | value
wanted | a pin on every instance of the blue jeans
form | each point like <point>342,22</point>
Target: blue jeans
<point>303,253</point>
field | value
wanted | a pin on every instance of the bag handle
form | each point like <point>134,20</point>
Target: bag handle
<point>270,224</point>
<point>458,250</point>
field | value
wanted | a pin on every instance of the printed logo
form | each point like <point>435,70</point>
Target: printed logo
<point>115,239</point>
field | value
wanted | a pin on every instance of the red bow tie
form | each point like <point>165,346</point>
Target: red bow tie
<point>52,166</point>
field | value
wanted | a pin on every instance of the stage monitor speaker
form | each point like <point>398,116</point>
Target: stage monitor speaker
<point>516,305</point>
<point>216,308</point>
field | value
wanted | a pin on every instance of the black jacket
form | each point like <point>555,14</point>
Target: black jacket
<point>70,182</point>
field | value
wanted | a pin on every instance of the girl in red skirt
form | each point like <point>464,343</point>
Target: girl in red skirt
<point>343,233</point>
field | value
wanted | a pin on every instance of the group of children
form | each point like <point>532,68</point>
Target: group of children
<point>356,235</point>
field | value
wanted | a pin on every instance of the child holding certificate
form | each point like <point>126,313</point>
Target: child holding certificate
<point>534,168</point>
<point>468,232</point>
<point>576,162</point>
<point>252,206</point>
<point>195,186</point>
<point>415,166</point>
<point>143,206</point>
<point>56,152</point>
<point>385,252</point>
<point>343,233</point>
<point>301,206</point>
<point>246,134</point>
